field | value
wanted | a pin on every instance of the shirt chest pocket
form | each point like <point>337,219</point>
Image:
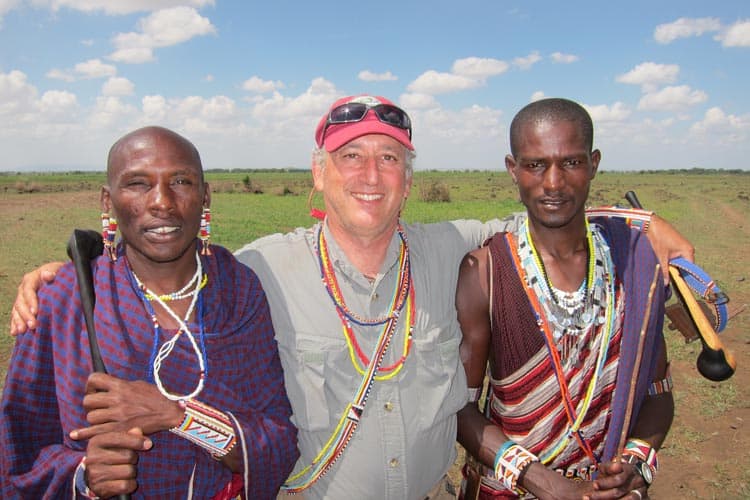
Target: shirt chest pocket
<point>440,374</point>
<point>309,369</point>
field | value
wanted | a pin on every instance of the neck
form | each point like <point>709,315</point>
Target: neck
<point>365,252</point>
<point>559,242</point>
<point>164,277</point>
<point>564,253</point>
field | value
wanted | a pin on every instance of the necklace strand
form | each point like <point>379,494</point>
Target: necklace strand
<point>403,298</point>
<point>166,349</point>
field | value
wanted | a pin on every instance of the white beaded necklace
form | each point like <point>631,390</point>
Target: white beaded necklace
<point>166,349</point>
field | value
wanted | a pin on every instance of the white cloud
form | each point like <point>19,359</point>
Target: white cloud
<point>87,43</point>
<point>414,101</point>
<point>431,82</point>
<point>94,68</point>
<point>736,35</point>
<point>674,98</point>
<point>17,96</point>
<point>208,78</point>
<point>685,27</point>
<point>560,58</point>
<point>136,55</point>
<point>154,108</point>
<point>527,62</point>
<point>602,113</point>
<point>119,7</point>
<point>479,67</point>
<point>260,86</point>
<point>163,28</point>
<point>58,74</point>
<point>537,96</point>
<point>110,111</point>
<point>719,127</point>
<point>368,76</point>
<point>118,86</point>
<point>650,75</point>
<point>57,105</point>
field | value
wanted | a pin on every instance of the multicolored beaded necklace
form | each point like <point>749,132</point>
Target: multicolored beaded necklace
<point>160,353</point>
<point>527,262</point>
<point>350,417</point>
<point>403,298</point>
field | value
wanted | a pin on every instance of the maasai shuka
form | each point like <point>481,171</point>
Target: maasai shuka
<point>526,400</point>
<point>42,399</point>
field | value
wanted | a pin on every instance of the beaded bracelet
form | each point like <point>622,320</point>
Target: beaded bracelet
<point>207,427</point>
<point>474,393</point>
<point>642,450</point>
<point>510,461</point>
<point>640,219</point>
<point>662,386</point>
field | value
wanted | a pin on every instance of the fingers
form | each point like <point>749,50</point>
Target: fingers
<point>111,460</point>
<point>25,307</point>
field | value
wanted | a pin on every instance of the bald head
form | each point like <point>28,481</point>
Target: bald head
<point>145,142</point>
<point>553,110</point>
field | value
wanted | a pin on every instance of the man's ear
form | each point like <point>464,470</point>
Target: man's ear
<point>104,200</point>
<point>207,196</point>
<point>317,173</point>
<point>596,157</point>
<point>510,166</point>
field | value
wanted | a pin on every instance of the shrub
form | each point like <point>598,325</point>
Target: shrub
<point>435,191</point>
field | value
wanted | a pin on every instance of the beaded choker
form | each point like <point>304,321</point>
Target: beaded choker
<point>179,294</point>
<point>161,353</point>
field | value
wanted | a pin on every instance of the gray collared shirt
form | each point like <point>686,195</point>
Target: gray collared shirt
<point>405,441</point>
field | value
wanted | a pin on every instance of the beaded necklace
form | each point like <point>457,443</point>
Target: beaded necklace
<point>526,259</point>
<point>350,417</point>
<point>159,354</point>
<point>182,293</point>
<point>403,298</point>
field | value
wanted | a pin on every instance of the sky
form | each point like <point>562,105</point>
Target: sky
<point>666,82</point>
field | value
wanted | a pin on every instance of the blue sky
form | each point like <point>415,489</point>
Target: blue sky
<point>666,81</point>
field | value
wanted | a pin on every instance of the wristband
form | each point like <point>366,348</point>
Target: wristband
<point>207,427</point>
<point>474,393</point>
<point>661,386</point>
<point>642,450</point>
<point>510,461</point>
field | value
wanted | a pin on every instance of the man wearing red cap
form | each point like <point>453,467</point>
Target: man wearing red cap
<point>363,309</point>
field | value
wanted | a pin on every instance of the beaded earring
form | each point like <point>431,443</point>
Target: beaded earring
<point>205,231</point>
<point>109,229</point>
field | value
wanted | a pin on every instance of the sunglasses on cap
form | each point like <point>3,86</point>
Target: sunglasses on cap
<point>352,112</point>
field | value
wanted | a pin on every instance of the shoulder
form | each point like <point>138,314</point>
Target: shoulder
<point>274,246</point>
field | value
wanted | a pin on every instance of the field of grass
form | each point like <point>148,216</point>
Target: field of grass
<point>705,455</point>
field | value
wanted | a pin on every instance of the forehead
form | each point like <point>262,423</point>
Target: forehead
<point>154,150</point>
<point>374,141</point>
<point>547,137</point>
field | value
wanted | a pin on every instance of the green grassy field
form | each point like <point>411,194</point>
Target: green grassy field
<point>706,453</point>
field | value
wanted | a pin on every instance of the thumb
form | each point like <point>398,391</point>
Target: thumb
<point>137,431</point>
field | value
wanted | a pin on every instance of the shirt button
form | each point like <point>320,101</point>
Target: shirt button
<point>388,406</point>
<point>375,296</point>
<point>394,462</point>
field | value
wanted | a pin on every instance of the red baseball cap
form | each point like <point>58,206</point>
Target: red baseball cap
<point>331,136</point>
